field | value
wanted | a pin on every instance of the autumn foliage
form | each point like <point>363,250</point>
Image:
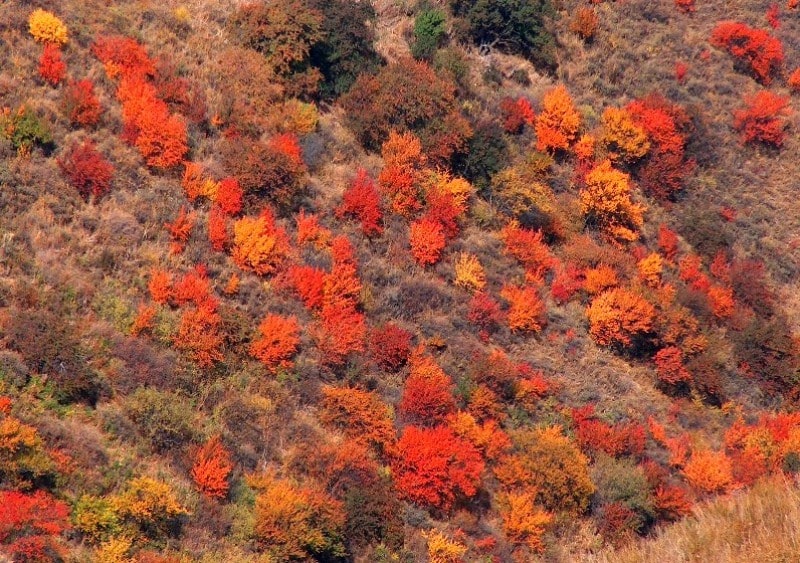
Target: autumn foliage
<point>427,240</point>
<point>606,202</point>
<point>51,67</point>
<point>277,342</point>
<point>390,346</point>
<point>434,467</point>
<point>259,244</point>
<point>756,50</point>
<point>86,170</point>
<point>558,123</point>
<point>211,468</point>
<point>30,525</point>
<point>360,414</point>
<point>80,104</point>
<point>361,200</point>
<point>427,397</point>
<point>618,317</point>
<point>763,119</point>
<point>45,27</point>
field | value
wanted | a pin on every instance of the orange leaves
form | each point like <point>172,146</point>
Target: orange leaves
<point>434,467</point>
<point>709,472</point>
<point>558,123</point>
<point>195,184</point>
<point>686,6</point>
<point>516,114</point>
<point>427,240</point>
<point>217,229</point>
<point>123,56</point>
<point>47,28</point>
<point>360,414</point>
<point>762,120</point>
<point>308,283</point>
<point>259,244</point>
<point>162,137</point>
<point>403,159</point>
<point>529,249</point>
<point>361,200</point>
<point>761,53</point>
<point>606,202</point>
<point>199,336</point>
<point>279,338</point>
<point>159,286</point>
<point>211,467</point>
<point>180,229</point>
<point>526,310</point>
<point>618,317</point>
<point>51,67</point>
<point>669,366</point>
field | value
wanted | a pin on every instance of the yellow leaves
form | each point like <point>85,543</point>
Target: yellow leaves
<point>299,117</point>
<point>606,202</point>
<point>558,123</point>
<point>259,246</point>
<point>442,549</point>
<point>195,184</point>
<point>47,28</point>
<point>622,137</point>
<point>650,268</point>
<point>115,550</point>
<point>523,523</point>
<point>147,500</point>
<point>469,272</point>
<point>618,316</point>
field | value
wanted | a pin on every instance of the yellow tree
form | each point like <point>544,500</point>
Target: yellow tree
<point>606,202</point>
<point>259,245</point>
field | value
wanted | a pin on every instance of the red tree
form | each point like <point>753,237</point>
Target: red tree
<point>762,118</point>
<point>361,200</point>
<point>211,467</point>
<point>29,525</point>
<point>390,346</point>
<point>51,67</point>
<point>217,229</point>
<point>427,397</point>
<point>433,466</point>
<point>279,339</point>
<point>229,196</point>
<point>87,170</point>
<point>757,50</point>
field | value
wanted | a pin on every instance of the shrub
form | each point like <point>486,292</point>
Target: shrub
<point>361,199</point>
<point>433,467</point>
<point>278,341</point>
<point>346,48</point>
<point>211,468</point>
<point>558,123</point>
<point>516,114</point>
<point>709,472</point>
<point>30,525</point>
<point>51,67</point>
<point>549,463</point>
<point>407,96</point>
<point>427,240</point>
<point>390,346</point>
<point>260,245</point>
<point>620,317</point>
<point>80,104</point>
<point>360,414</point>
<point>526,311</point>
<point>469,273</point>
<point>624,482</point>
<point>294,522</point>
<point>427,396</point>
<point>24,129</point>
<point>284,32</point>
<point>762,120</point>
<point>584,23</point>
<point>606,202</point>
<point>151,505</point>
<point>199,336</point>
<point>755,49</point>
<point>45,27</point>
<point>165,419</point>
<point>514,26</point>
<point>273,168</point>
<point>622,136</point>
<point>86,170</point>
<point>429,31</point>
<point>123,57</point>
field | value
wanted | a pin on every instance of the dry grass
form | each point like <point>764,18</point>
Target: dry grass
<point>761,525</point>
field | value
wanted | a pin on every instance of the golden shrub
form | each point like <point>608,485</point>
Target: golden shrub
<point>47,28</point>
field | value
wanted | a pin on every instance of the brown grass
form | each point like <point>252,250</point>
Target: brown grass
<point>760,525</point>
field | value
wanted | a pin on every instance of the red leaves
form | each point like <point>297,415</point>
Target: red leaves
<point>28,523</point>
<point>361,200</point>
<point>615,440</point>
<point>217,229</point>
<point>123,56</point>
<point>390,346</point>
<point>279,339</point>
<point>669,366</point>
<point>80,104</point>
<point>51,67</point>
<point>211,468</point>
<point>762,118</point>
<point>87,170</point>
<point>433,466</point>
<point>180,229</point>
<point>756,49</point>
<point>229,196</point>
<point>427,397</point>
<point>528,247</point>
<point>516,114</point>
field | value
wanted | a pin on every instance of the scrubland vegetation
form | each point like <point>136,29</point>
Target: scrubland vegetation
<point>393,281</point>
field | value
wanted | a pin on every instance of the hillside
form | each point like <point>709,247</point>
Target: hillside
<point>295,280</point>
